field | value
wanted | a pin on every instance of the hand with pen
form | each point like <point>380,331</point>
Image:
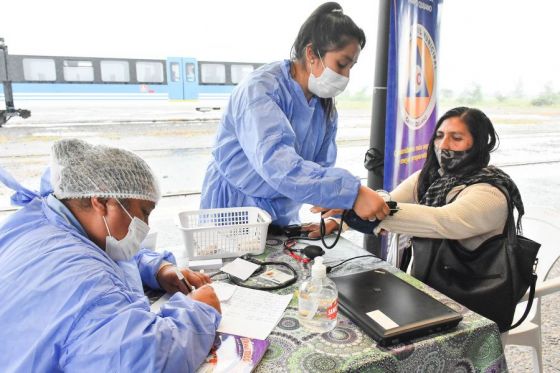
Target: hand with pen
<point>172,279</point>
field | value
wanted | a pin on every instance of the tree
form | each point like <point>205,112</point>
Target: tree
<point>546,97</point>
<point>500,97</point>
<point>518,91</point>
<point>471,95</point>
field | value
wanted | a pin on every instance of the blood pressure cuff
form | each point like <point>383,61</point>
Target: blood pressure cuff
<point>365,226</point>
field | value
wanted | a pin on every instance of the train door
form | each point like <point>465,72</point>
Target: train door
<point>182,79</point>
<point>190,80</point>
<point>175,78</point>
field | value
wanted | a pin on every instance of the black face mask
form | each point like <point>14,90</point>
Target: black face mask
<point>451,160</point>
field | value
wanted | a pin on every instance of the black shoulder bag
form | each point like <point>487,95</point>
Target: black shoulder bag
<point>489,280</point>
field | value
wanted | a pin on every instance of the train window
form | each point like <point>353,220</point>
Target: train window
<point>238,72</point>
<point>189,72</point>
<point>149,72</point>
<point>175,74</point>
<point>78,71</point>
<point>115,71</point>
<point>39,69</point>
<point>213,73</point>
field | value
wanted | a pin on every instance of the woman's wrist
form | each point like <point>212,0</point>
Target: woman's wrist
<point>384,194</point>
<point>337,221</point>
<point>164,263</point>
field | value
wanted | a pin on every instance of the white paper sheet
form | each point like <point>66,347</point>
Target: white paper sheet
<point>252,313</point>
<point>224,291</point>
<point>240,268</point>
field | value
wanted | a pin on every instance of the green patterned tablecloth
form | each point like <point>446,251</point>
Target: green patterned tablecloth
<point>474,346</point>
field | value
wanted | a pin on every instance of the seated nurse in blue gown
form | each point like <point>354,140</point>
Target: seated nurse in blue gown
<point>275,148</point>
<point>72,272</point>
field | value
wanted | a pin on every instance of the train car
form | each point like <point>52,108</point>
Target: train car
<point>70,78</point>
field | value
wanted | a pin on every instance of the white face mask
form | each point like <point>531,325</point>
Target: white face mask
<point>126,248</point>
<point>328,84</point>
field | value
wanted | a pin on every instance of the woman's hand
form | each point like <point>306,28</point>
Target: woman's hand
<point>325,212</point>
<point>369,205</point>
<point>196,279</point>
<point>206,294</point>
<point>168,280</point>
<point>315,229</point>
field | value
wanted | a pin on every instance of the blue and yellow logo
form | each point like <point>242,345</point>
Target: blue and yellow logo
<point>417,90</point>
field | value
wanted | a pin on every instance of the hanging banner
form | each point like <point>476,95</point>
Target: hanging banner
<point>411,87</point>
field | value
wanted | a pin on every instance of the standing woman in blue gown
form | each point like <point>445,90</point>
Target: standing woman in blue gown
<point>275,147</point>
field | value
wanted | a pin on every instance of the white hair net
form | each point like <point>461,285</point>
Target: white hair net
<point>80,170</point>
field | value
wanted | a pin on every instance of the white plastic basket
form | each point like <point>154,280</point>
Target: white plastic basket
<point>224,233</point>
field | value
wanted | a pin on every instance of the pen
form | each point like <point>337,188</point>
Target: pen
<point>184,280</point>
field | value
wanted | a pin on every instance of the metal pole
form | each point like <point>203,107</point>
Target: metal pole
<point>377,132</point>
<point>10,111</point>
<point>8,96</point>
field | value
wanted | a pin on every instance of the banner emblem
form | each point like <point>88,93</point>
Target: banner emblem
<point>418,88</point>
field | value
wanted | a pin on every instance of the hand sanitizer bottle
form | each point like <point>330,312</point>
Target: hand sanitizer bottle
<point>318,300</point>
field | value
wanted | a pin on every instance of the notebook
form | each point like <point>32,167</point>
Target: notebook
<point>234,354</point>
<point>389,309</point>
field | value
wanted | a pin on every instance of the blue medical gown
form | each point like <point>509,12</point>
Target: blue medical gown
<point>275,150</point>
<point>66,306</point>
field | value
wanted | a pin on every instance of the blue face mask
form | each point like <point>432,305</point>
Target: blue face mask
<point>126,248</point>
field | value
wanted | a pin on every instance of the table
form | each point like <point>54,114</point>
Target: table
<point>474,346</point>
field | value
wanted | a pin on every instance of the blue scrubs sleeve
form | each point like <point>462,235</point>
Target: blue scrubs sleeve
<point>148,263</point>
<point>267,138</point>
<point>327,154</point>
<point>115,335</point>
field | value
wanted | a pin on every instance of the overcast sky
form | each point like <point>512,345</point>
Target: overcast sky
<point>495,43</point>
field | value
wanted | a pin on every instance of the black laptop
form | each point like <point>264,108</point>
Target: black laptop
<point>389,309</point>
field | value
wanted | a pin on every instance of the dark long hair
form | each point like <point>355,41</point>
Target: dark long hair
<point>485,141</point>
<point>326,29</point>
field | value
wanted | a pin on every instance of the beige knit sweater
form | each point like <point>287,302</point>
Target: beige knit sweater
<point>479,212</point>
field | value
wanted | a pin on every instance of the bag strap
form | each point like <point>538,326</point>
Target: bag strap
<point>510,233</point>
<point>509,230</point>
<point>529,303</point>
